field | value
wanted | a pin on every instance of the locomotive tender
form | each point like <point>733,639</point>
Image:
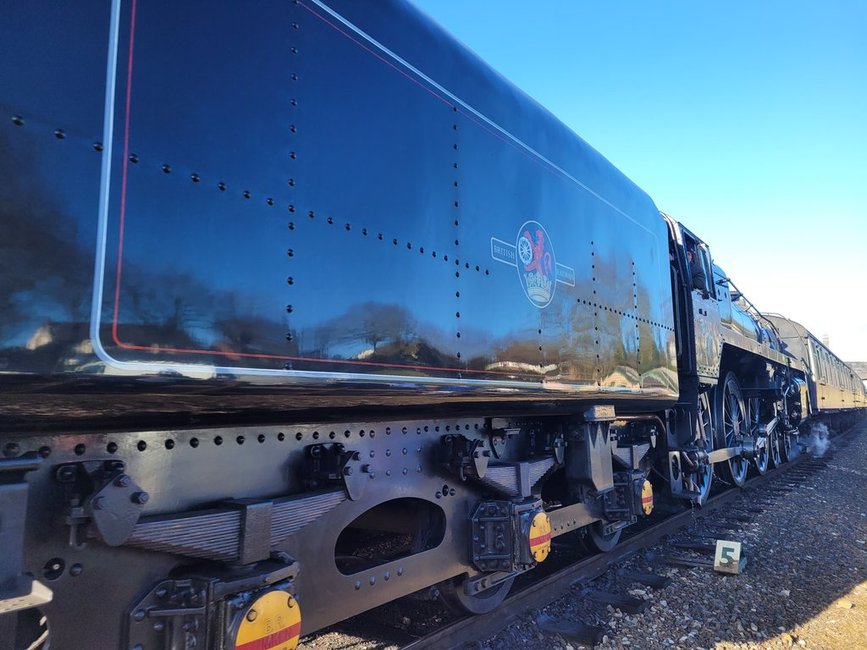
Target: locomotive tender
<point>307,309</point>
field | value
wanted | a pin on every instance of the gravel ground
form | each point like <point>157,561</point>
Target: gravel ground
<point>804,585</point>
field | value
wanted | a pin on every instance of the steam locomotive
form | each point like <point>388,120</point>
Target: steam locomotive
<point>305,308</point>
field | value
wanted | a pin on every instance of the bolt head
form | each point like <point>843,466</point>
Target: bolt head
<point>252,615</point>
<point>140,498</point>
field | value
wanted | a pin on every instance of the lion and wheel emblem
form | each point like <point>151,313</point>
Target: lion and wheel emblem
<point>533,255</point>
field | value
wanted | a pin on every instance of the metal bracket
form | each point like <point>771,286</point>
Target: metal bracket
<point>589,458</point>
<point>17,590</point>
<point>600,413</point>
<point>497,439</point>
<point>484,581</point>
<point>559,446</point>
<point>100,491</point>
<point>631,455</point>
<point>330,463</point>
<point>464,457</point>
<point>196,611</point>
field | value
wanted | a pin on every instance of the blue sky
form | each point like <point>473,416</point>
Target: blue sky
<point>747,121</point>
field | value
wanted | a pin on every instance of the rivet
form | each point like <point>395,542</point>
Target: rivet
<point>139,615</point>
<point>195,178</point>
<point>252,615</point>
<point>17,120</point>
<point>167,169</point>
<point>357,584</point>
<point>59,134</point>
<point>246,194</point>
<point>97,146</point>
<point>122,481</point>
<point>372,581</point>
<point>221,186</point>
<point>133,158</point>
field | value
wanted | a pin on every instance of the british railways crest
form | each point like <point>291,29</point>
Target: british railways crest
<point>533,255</point>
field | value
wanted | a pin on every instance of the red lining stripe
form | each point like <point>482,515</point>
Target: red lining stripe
<point>114,333</point>
<point>272,640</point>
<point>542,539</point>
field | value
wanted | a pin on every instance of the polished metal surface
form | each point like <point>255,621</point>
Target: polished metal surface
<point>341,206</point>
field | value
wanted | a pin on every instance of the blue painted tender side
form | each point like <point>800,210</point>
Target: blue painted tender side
<point>329,197</point>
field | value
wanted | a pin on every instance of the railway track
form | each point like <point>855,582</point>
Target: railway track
<point>738,505</point>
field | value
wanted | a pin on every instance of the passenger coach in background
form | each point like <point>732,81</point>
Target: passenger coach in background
<point>306,309</point>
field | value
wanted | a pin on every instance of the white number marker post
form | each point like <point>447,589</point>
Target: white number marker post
<point>728,557</point>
